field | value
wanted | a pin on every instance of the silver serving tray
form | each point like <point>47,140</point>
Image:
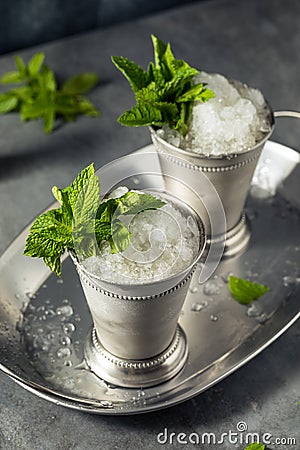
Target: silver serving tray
<point>44,321</point>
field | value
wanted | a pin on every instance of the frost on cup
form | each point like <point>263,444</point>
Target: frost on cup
<point>135,253</point>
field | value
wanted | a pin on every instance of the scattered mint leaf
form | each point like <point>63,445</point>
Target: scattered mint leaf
<point>34,64</point>
<point>38,96</point>
<point>245,291</point>
<point>165,93</point>
<point>80,84</point>
<point>255,446</point>
<point>13,77</point>
<point>46,81</point>
<point>86,107</point>
<point>49,117</point>
<point>8,102</point>
<point>20,66</point>
<point>82,222</point>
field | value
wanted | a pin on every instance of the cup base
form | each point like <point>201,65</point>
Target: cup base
<point>136,373</point>
<point>236,239</point>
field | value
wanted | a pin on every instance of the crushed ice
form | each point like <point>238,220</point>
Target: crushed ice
<point>163,242</point>
<point>234,121</point>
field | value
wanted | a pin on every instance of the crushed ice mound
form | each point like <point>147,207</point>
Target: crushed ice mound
<point>232,122</point>
<point>163,242</point>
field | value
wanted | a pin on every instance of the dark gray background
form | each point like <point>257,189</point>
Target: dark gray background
<point>256,42</point>
<point>29,22</point>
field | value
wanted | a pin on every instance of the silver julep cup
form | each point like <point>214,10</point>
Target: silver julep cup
<point>136,340</point>
<point>230,175</point>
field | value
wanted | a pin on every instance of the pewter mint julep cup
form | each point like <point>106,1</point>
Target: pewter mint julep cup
<point>230,175</point>
<point>231,178</point>
<point>136,340</point>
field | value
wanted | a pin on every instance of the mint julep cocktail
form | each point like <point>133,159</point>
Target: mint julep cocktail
<point>129,237</point>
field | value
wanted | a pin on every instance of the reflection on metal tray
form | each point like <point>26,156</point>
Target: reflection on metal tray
<point>45,320</point>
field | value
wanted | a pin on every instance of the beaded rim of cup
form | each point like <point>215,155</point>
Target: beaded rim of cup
<point>229,168</point>
<point>86,279</point>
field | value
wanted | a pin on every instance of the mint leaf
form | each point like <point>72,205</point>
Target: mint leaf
<point>245,291</point>
<point>120,237</point>
<point>34,64</point>
<point>164,57</point>
<point>149,94</point>
<point>83,222</point>
<point>154,74</point>
<point>159,48</point>
<point>167,63</point>
<point>87,194</point>
<point>30,111</point>
<point>8,102</point>
<point>106,210</point>
<point>49,117</point>
<point>12,77</point>
<point>23,93</point>
<point>185,114</point>
<point>54,263</point>
<point>179,83</point>
<point>80,84</point>
<point>84,106</point>
<point>165,93</point>
<point>20,66</point>
<point>140,115</point>
<point>255,446</point>
<point>52,232</point>
<point>47,234</point>
<point>134,203</point>
<point>102,230</point>
<point>71,106</point>
<point>136,76</point>
<point>204,96</point>
<point>46,80</point>
<point>78,185</point>
<point>197,92</point>
<point>39,97</point>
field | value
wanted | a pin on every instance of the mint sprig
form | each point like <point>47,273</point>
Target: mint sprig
<point>245,291</point>
<point>38,96</point>
<point>165,93</point>
<point>83,222</point>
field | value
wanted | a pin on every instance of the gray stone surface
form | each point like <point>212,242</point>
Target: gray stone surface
<point>257,42</point>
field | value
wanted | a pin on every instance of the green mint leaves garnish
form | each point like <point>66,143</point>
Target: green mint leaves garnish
<point>38,96</point>
<point>255,446</point>
<point>165,93</point>
<point>245,291</point>
<point>83,222</point>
